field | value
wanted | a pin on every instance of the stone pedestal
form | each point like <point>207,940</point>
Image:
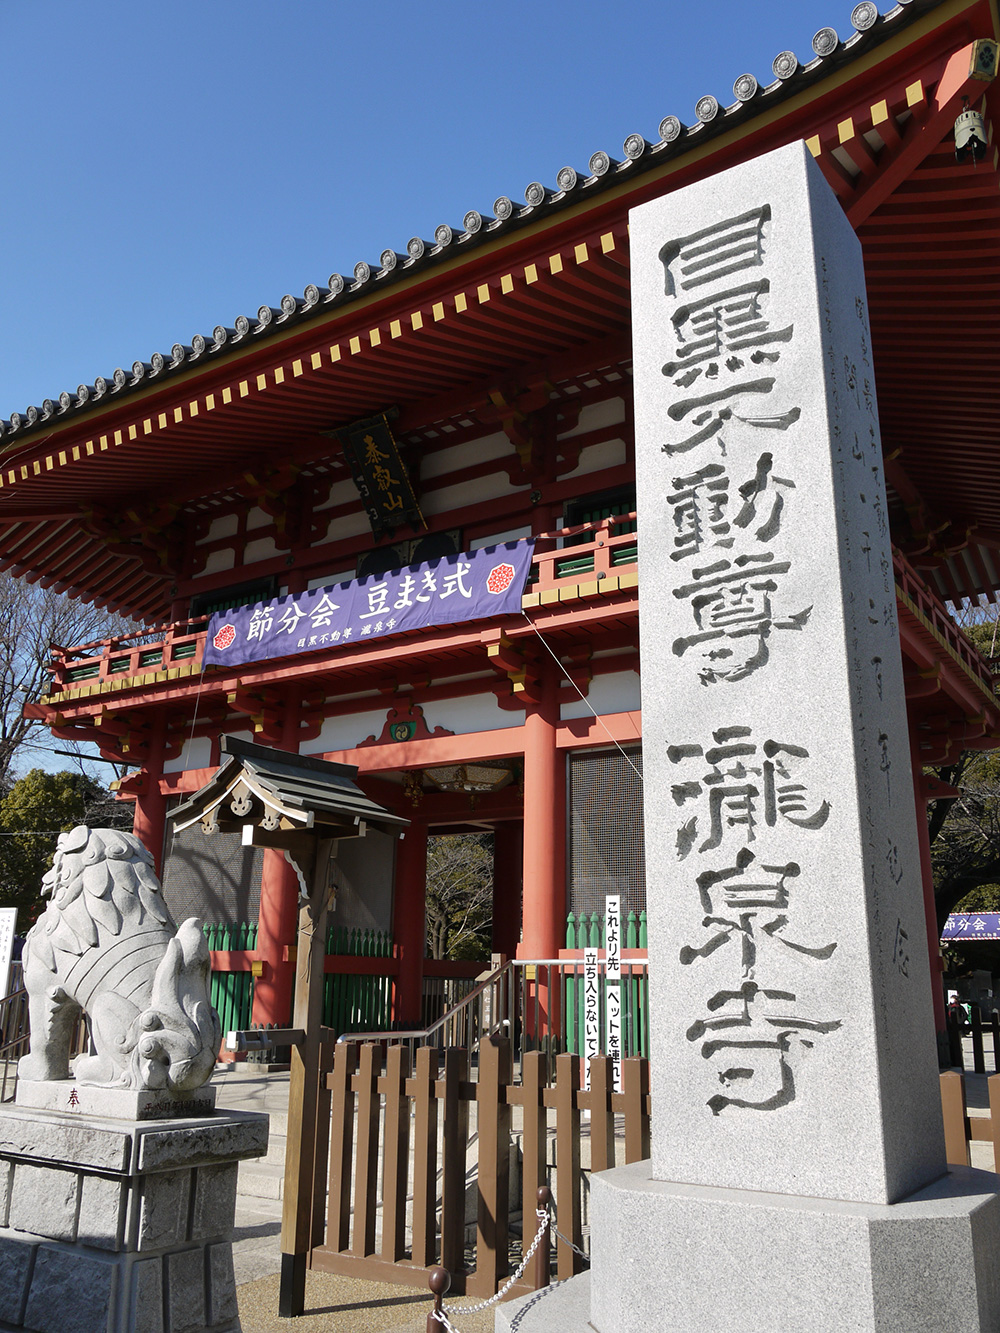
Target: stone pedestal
<point>120,1226</point>
<point>700,1260</point>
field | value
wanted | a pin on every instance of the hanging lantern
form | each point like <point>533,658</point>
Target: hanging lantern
<point>970,135</point>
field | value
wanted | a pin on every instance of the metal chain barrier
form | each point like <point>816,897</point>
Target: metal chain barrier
<point>566,1241</point>
<point>442,1315</point>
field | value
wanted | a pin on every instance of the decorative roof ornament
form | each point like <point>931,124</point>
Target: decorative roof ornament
<point>119,377</point>
<point>745,88</point>
<point>503,208</point>
<point>220,336</point>
<point>310,296</point>
<point>825,42</point>
<point>157,363</point>
<point>535,193</point>
<point>15,419</point>
<point>415,247</point>
<point>472,222</point>
<point>388,260</point>
<point>65,403</point>
<point>443,235</point>
<point>48,409</point>
<point>634,147</point>
<point>670,129</point>
<point>32,415</point>
<point>241,325</point>
<point>336,283</point>
<point>362,272</point>
<point>139,370</point>
<point>566,178</point>
<point>264,316</point>
<point>785,65</point>
<point>178,355</point>
<point>706,108</point>
<point>289,306</point>
<point>199,345</point>
<point>599,164</point>
<point>864,16</point>
<point>101,387</point>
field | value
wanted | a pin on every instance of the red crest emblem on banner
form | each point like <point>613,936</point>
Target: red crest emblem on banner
<point>225,638</point>
<point>500,578</point>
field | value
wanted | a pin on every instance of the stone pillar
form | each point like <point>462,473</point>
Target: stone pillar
<point>120,1226</point>
<point>507,838</point>
<point>798,1178</point>
<point>409,928</point>
<point>544,873</point>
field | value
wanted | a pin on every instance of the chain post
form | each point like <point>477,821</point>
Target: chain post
<point>542,1257</point>
<point>439,1280</point>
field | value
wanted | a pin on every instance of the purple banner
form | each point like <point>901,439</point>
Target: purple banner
<point>972,926</point>
<point>472,586</point>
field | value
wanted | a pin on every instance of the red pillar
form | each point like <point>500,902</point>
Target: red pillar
<point>409,922</point>
<point>150,814</point>
<point>279,914</point>
<point>930,909</point>
<point>544,875</point>
<point>507,887</point>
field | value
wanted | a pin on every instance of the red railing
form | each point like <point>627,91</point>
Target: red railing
<point>559,557</point>
<point>934,613</point>
<point>587,552</point>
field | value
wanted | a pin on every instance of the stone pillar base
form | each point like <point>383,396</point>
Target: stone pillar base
<point>120,1226</point>
<point>675,1257</point>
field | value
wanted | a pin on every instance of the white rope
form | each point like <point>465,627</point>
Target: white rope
<point>600,720</point>
<point>443,1316</point>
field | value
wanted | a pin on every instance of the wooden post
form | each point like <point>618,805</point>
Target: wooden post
<point>533,1069</point>
<point>425,1130</point>
<point>323,1119</point>
<point>956,1138</point>
<point>495,1075</point>
<point>602,1117</point>
<point>396,1154</point>
<point>366,1158</point>
<point>456,1140</point>
<point>341,1146</point>
<point>567,1163</point>
<point>635,1091</point>
<point>303,1085</point>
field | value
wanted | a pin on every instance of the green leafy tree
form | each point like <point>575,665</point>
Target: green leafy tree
<point>33,812</point>
<point>460,895</point>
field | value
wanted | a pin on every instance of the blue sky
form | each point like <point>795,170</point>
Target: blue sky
<point>169,167</point>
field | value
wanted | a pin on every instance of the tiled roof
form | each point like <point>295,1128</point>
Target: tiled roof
<point>640,154</point>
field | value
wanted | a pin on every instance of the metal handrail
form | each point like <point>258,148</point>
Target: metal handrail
<point>12,1046</point>
<point>421,1034</point>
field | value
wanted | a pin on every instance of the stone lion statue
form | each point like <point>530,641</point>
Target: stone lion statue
<point>107,945</point>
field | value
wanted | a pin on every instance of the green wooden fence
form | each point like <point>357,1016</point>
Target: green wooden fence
<point>352,1002</point>
<point>232,992</point>
<point>587,932</point>
<point>357,1002</point>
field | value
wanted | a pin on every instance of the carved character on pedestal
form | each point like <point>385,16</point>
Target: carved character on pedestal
<point>107,945</point>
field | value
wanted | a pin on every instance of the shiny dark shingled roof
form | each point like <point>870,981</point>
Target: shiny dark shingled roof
<point>675,137</point>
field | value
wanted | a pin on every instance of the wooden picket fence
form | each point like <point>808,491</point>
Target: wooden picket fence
<point>409,1126</point>
<point>962,1129</point>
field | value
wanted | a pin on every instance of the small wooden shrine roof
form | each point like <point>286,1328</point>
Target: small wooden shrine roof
<point>284,793</point>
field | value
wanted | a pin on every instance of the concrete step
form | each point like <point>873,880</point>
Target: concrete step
<point>261,1180</point>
